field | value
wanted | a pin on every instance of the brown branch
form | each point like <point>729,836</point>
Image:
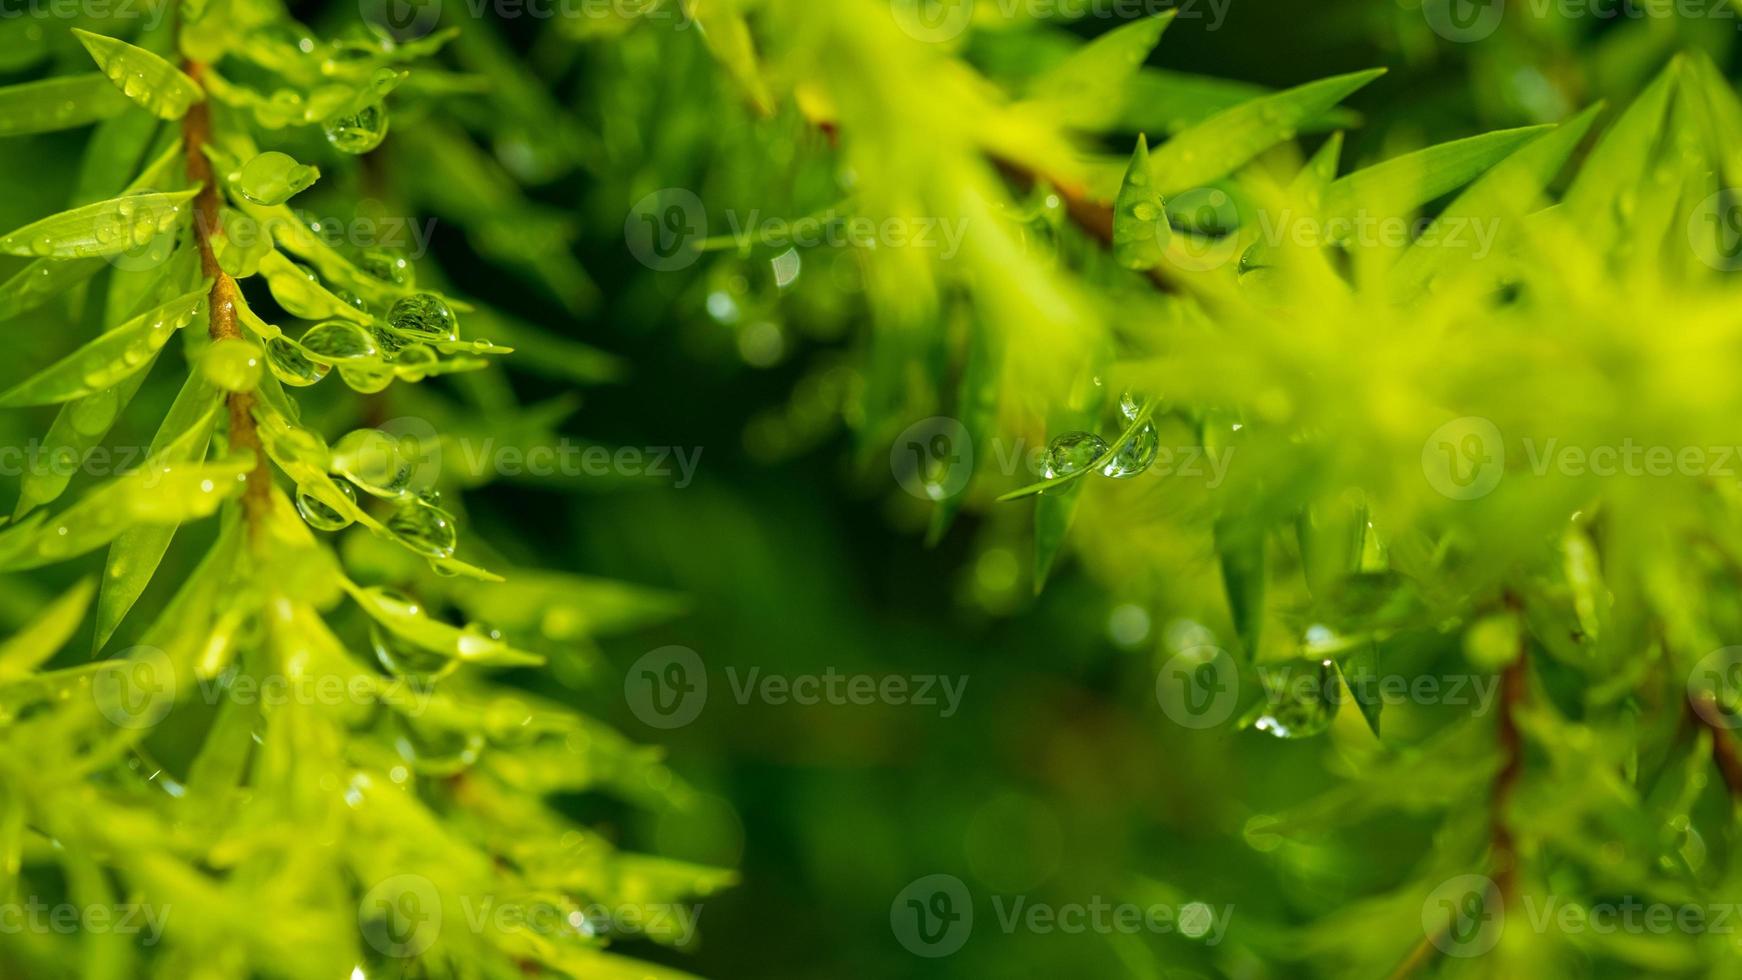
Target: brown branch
<point>1724,751</point>
<point>196,134</point>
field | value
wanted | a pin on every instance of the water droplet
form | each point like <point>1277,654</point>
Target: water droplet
<point>1303,700</point>
<point>402,659</point>
<point>272,178</point>
<point>1136,455</point>
<point>388,266</point>
<point>1073,452</point>
<point>423,316</point>
<point>93,414</point>
<point>375,462</point>
<point>290,365</point>
<point>233,364</point>
<point>317,507</point>
<point>360,132</point>
<point>425,528</point>
<point>340,340</point>
<point>414,357</point>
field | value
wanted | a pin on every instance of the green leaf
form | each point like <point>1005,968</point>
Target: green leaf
<point>44,279</point>
<point>272,178</point>
<point>727,35</point>
<point>57,103</point>
<point>1245,576</point>
<point>146,78</point>
<point>151,495</point>
<point>111,358</point>
<point>101,229</point>
<point>46,634</point>
<point>133,558</point>
<point>1405,183</point>
<point>1619,162</point>
<point>1360,672</point>
<point>406,619</point>
<point>1161,101</point>
<point>1088,88</point>
<point>1140,228</point>
<point>1513,188</point>
<point>1228,140</point>
<point>79,427</point>
<point>1052,521</point>
<point>1131,431</point>
<point>977,405</point>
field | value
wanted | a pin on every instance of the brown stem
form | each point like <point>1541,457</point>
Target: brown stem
<point>196,134</point>
<point>1724,751</point>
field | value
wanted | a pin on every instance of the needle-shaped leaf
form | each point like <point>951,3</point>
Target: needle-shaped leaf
<point>1089,87</point>
<point>1044,486</point>
<point>133,558</point>
<point>1140,228</point>
<point>111,358</point>
<point>407,619</point>
<point>143,76</point>
<point>726,34</point>
<point>1360,672</point>
<point>57,103</point>
<point>153,494</point>
<point>1052,521</point>
<point>105,228</point>
<point>1228,140</point>
<point>1615,167</point>
<point>1161,101</point>
<point>46,634</point>
<point>44,279</point>
<point>1404,183</point>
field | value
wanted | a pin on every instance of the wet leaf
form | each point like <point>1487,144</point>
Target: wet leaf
<point>146,78</point>
<point>111,358</point>
<point>57,103</point>
<point>101,229</point>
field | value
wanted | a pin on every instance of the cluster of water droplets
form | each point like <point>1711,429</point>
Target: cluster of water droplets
<point>1077,451</point>
<point>382,466</point>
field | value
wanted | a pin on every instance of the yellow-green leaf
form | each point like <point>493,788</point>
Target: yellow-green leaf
<point>46,634</point>
<point>105,228</point>
<point>57,103</point>
<point>111,358</point>
<point>146,78</point>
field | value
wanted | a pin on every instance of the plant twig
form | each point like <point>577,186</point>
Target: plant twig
<point>196,134</point>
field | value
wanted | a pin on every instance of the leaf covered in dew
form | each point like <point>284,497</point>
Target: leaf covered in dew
<point>272,178</point>
<point>101,229</point>
<point>1401,184</point>
<point>1230,139</point>
<point>405,618</point>
<point>143,76</point>
<point>110,359</point>
<point>154,494</point>
<point>1140,228</point>
<point>136,553</point>
<point>51,104</point>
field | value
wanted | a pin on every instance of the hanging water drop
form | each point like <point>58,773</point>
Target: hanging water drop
<point>1073,452</point>
<point>375,462</point>
<point>290,365</point>
<point>1136,455</point>
<point>388,266</point>
<point>423,316</point>
<point>425,528</point>
<point>359,132</point>
<point>340,340</point>
<point>317,508</point>
<point>1303,700</point>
